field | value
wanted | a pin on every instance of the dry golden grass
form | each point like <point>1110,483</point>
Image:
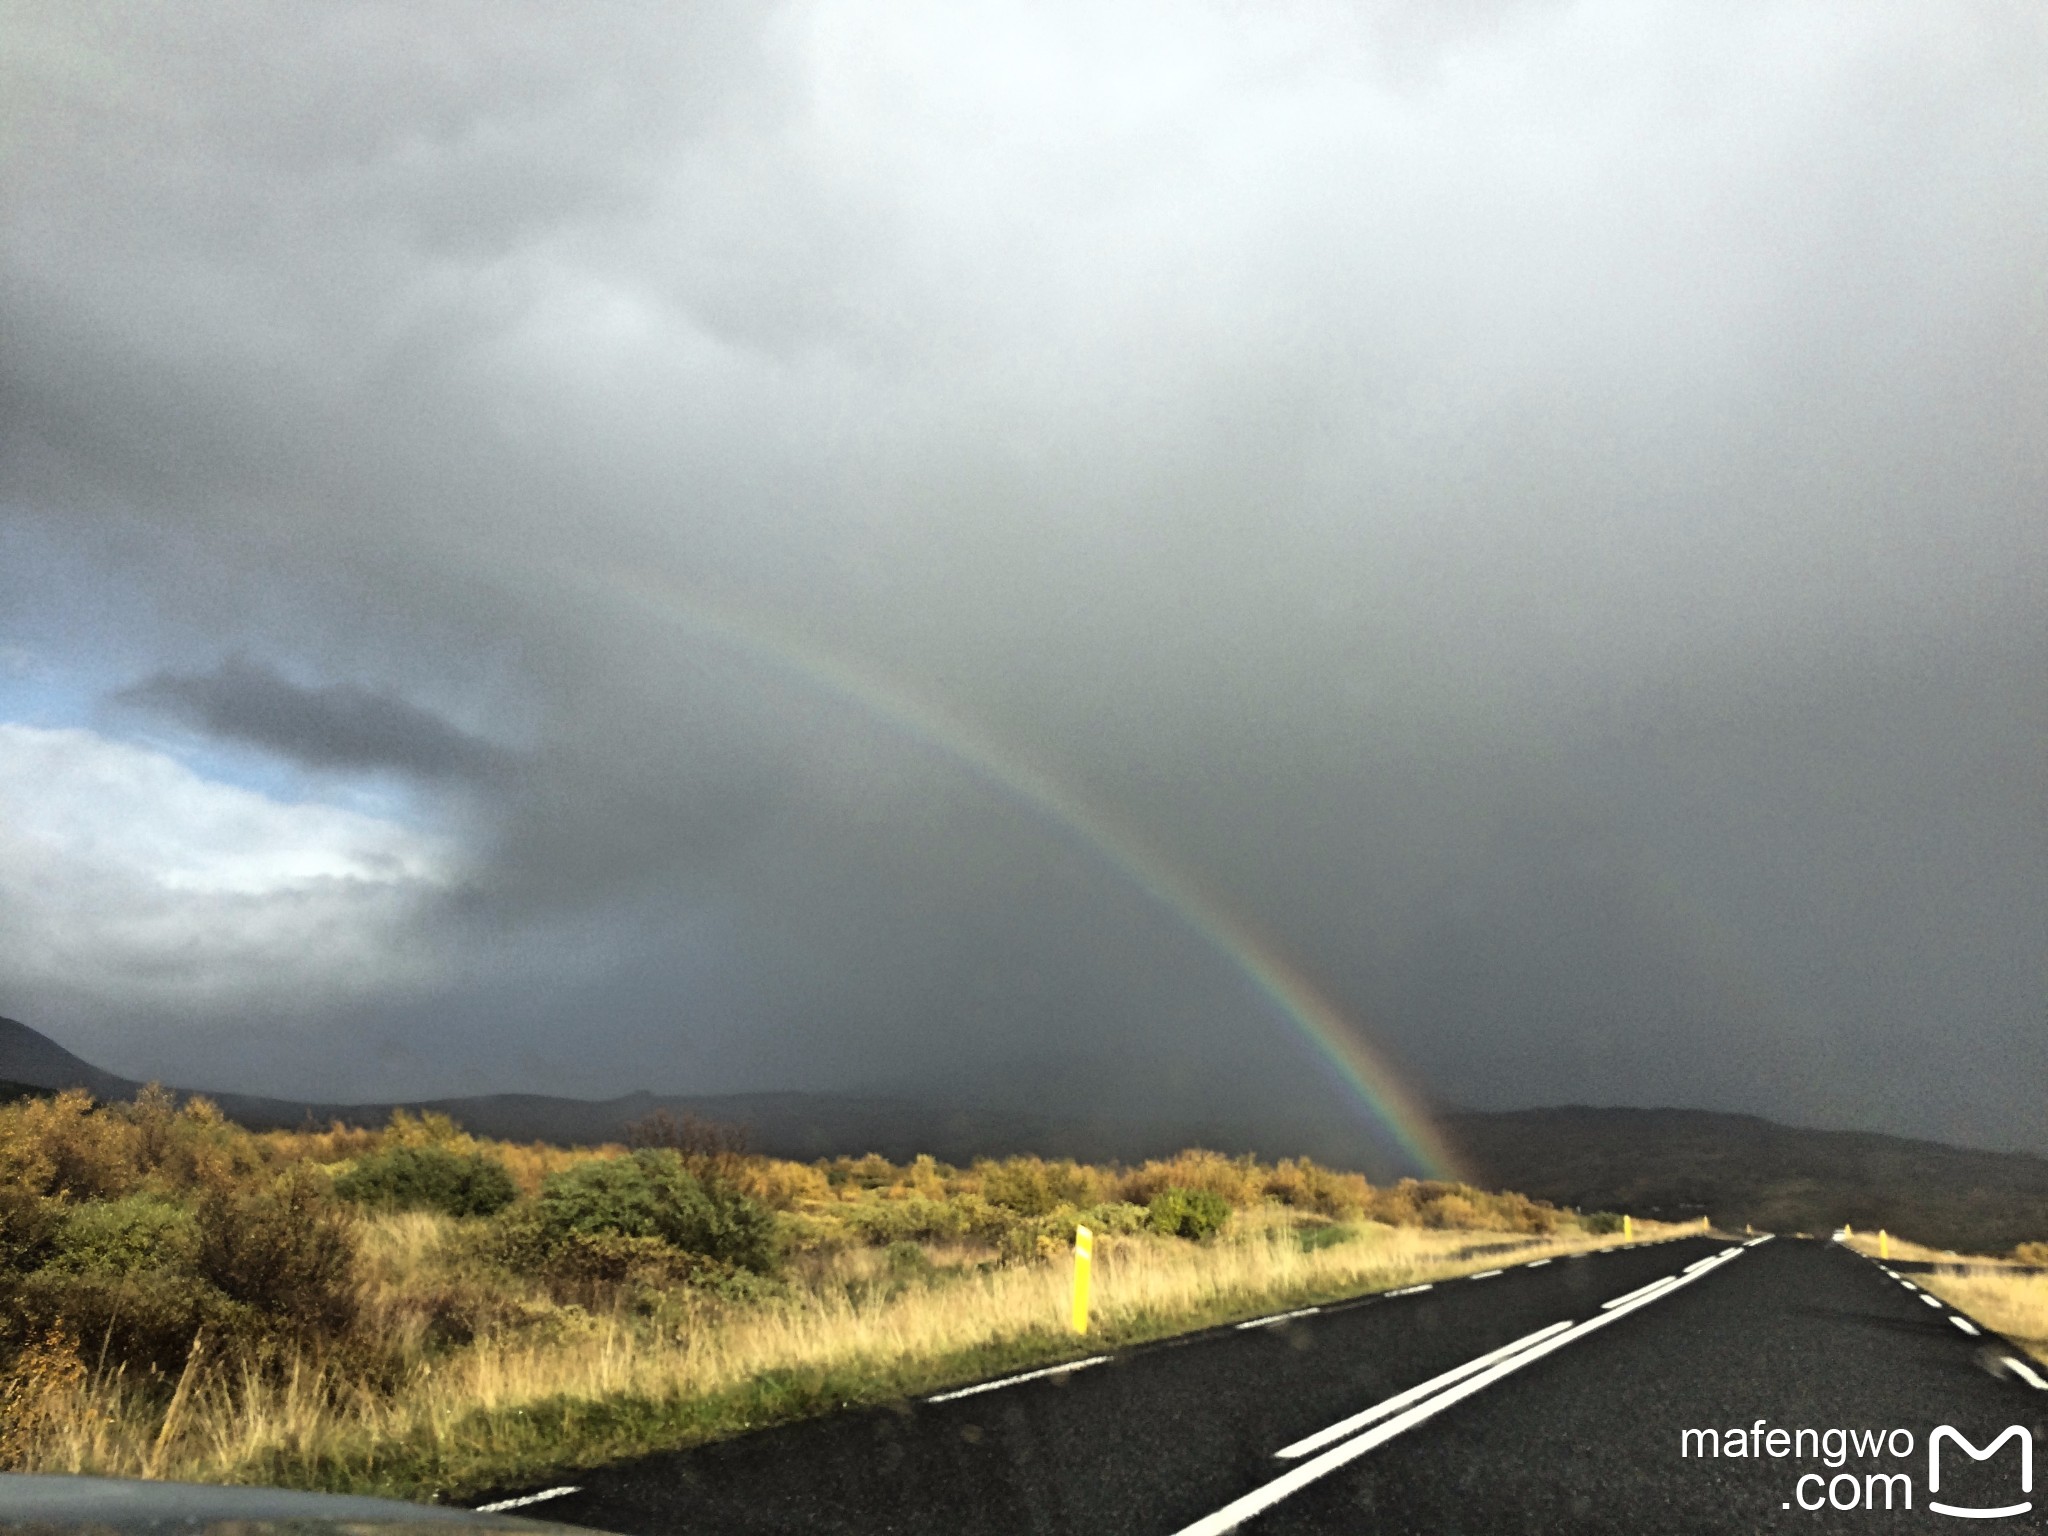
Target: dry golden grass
<point>312,1424</point>
<point>1867,1244</point>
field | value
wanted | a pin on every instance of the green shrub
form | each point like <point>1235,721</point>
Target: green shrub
<point>1190,1213</point>
<point>1314,1238</point>
<point>118,1237</point>
<point>1602,1223</point>
<point>146,1319</point>
<point>429,1177</point>
<point>651,1194</point>
<point>907,1260</point>
<point>912,1220</point>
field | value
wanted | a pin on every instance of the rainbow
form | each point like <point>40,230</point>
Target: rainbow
<point>1363,1071</point>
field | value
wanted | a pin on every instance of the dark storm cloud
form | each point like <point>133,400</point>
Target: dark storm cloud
<point>1536,506</point>
<point>336,725</point>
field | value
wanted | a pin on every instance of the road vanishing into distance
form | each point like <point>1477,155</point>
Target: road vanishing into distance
<point>1552,1396</point>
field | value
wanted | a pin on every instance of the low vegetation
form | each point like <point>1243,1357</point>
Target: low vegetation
<point>414,1311</point>
<point>2009,1294</point>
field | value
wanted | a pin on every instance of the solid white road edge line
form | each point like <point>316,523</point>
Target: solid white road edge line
<point>1278,1317</point>
<point>1011,1381</point>
<point>521,1503</point>
<point>1235,1513</point>
<point>2027,1373</point>
<point>1400,1400</point>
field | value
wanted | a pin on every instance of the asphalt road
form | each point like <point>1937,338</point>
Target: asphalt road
<point>1541,1398</point>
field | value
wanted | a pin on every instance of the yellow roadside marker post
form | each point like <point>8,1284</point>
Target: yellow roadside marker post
<point>1884,1244</point>
<point>1628,1229</point>
<point>1084,1262</point>
<point>1706,1224</point>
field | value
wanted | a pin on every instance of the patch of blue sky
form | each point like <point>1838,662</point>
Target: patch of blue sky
<point>38,690</point>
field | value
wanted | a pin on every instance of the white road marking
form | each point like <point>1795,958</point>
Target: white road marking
<point>1909,1285</point>
<point>1413,1290</point>
<point>1239,1510</point>
<point>1965,1324</point>
<point>1400,1400</point>
<point>2027,1373</point>
<point>1279,1317</point>
<point>1932,1301</point>
<point>1484,1274</point>
<point>1755,1240</point>
<point>521,1503</point>
<point>1011,1381</point>
<point>1644,1290</point>
<point>1536,1263</point>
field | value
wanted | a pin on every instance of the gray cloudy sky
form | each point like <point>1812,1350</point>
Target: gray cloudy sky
<point>1539,508</point>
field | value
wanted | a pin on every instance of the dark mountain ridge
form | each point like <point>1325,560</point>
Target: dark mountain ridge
<point>1673,1164</point>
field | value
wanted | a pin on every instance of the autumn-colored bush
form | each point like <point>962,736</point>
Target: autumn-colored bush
<point>1432,1203</point>
<point>1031,1186</point>
<point>1239,1181</point>
<point>1308,1186</point>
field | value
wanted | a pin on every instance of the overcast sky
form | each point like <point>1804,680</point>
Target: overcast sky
<point>567,549</point>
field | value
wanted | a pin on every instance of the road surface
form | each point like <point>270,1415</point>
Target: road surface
<point>1551,1397</point>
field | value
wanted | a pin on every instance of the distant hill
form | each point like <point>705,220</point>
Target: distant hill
<point>1680,1163</point>
<point>795,1125</point>
<point>1668,1163</point>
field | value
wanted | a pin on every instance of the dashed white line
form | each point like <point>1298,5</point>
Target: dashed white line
<point>1278,1317</point>
<point>522,1502</point>
<point>1485,1274</point>
<point>1400,1400</point>
<point>1239,1510</point>
<point>1011,1381</point>
<point>1644,1290</point>
<point>1965,1324</point>
<point>2026,1373</point>
<point>1412,1290</point>
<point>1932,1301</point>
<point>1536,1264</point>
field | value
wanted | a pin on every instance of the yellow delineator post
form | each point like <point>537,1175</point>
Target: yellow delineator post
<point>1884,1244</point>
<point>1084,1262</point>
<point>1628,1229</point>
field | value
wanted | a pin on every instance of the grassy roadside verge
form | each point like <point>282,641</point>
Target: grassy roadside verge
<point>2001,1294</point>
<point>674,1396</point>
